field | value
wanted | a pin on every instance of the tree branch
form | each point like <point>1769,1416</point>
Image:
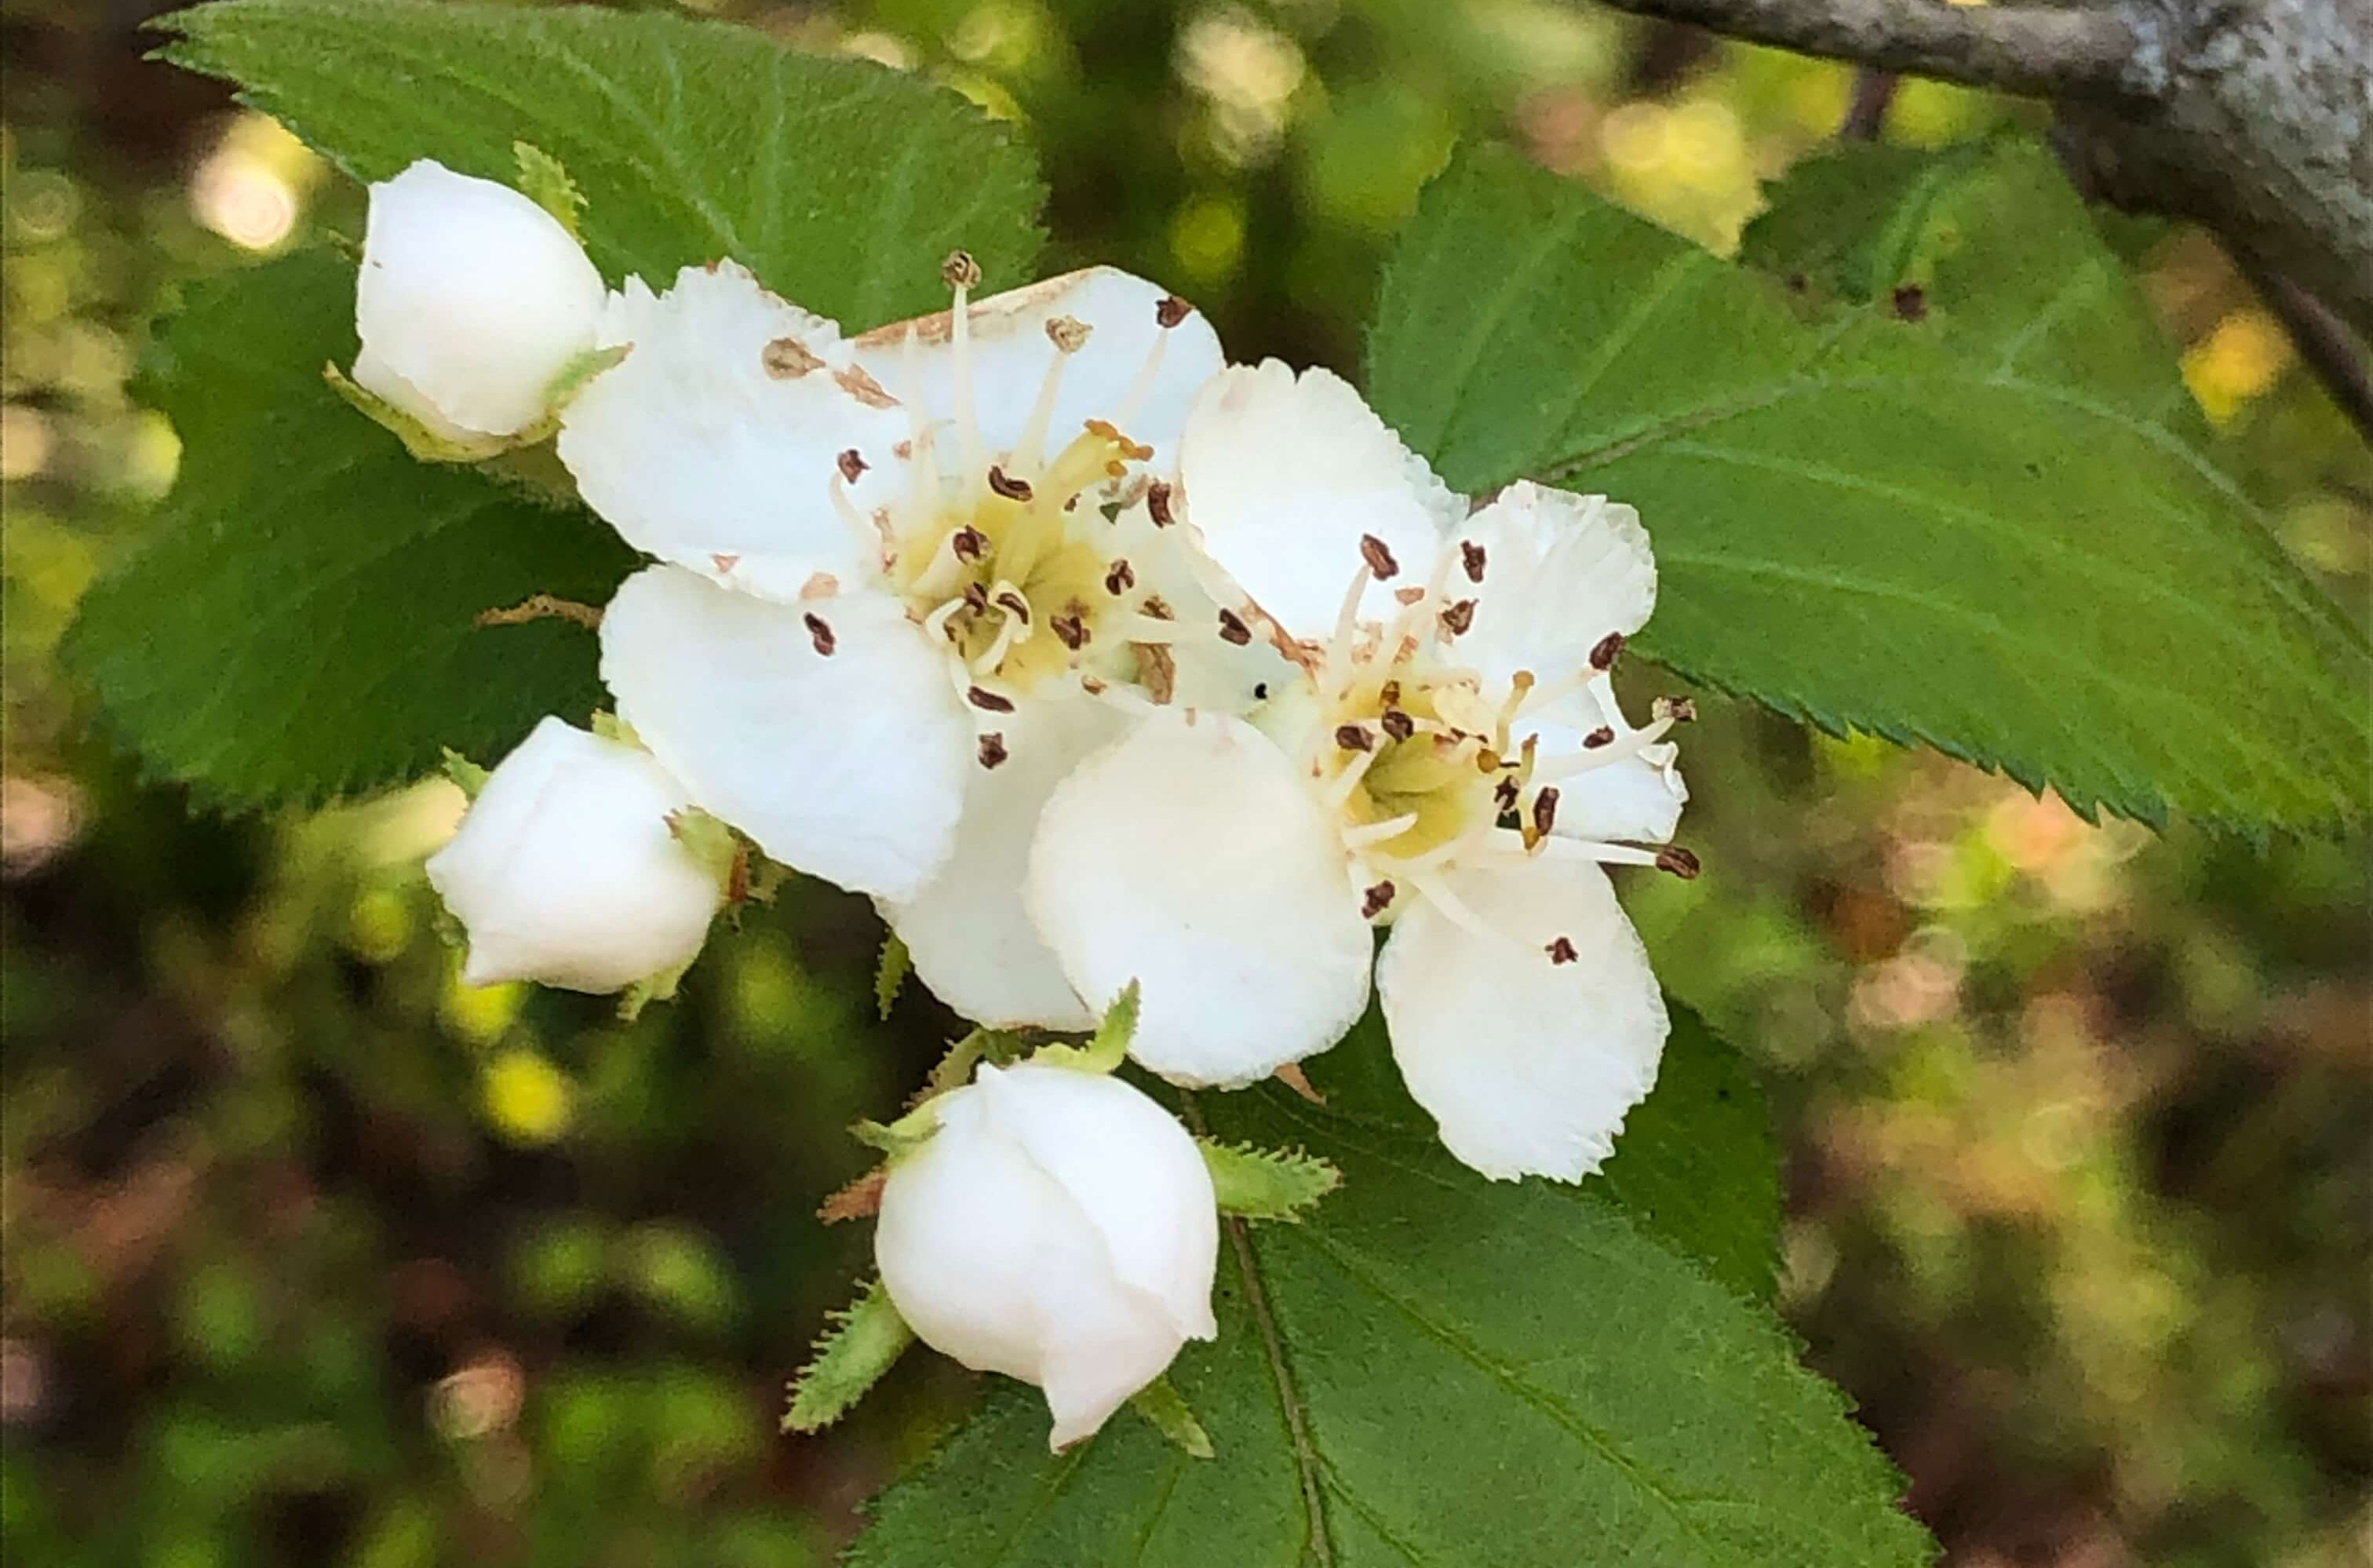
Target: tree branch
<point>2044,51</point>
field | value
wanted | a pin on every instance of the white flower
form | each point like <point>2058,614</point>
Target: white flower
<point>1058,1227</point>
<point>903,575</point>
<point>1443,754</point>
<point>472,300</point>
<point>565,871</point>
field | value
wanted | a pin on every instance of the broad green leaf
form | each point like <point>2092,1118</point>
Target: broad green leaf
<point>1974,514</point>
<point>1432,1369</point>
<point>840,183</point>
<point>302,624</point>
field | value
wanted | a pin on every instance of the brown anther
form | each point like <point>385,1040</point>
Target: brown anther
<point>1376,900</point>
<point>1014,604</point>
<point>968,543</point>
<point>1678,861</point>
<point>960,271</point>
<point>903,449</point>
<point>1562,951</point>
<point>1379,557</point>
<point>1068,333</point>
<point>1093,686</point>
<point>1398,725</point>
<point>1679,710</point>
<point>1157,608</point>
<point>992,749</point>
<point>1457,618</point>
<point>1169,311</point>
<point>1071,631</point>
<point>1487,761</point>
<point>1157,504</point>
<point>1119,578</point>
<point>863,388</point>
<point>1408,595</point>
<point>851,464</point>
<point>1157,671</point>
<point>987,701</point>
<point>1470,556</point>
<point>1602,736</point>
<point>975,599</point>
<point>1603,654</point>
<point>724,561</point>
<point>1232,629</point>
<point>1390,694</point>
<point>1545,809</point>
<point>819,633</point>
<point>787,358</point>
<point>1354,738</point>
<point>1005,484</point>
<point>1504,794</point>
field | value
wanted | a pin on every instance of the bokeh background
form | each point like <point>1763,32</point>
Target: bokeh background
<point>313,1257</point>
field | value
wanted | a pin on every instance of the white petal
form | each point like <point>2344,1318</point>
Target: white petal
<point>849,765</point>
<point>564,871</point>
<point>1282,475</point>
<point>699,453</point>
<point>1010,354</point>
<point>1638,798</point>
<point>1133,1170</point>
<point>1560,572</point>
<point>470,301</point>
<point>1529,1067</point>
<point>970,937</point>
<point>1189,858</point>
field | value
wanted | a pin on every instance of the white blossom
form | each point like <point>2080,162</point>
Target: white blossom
<point>905,580</point>
<point>1443,754</point>
<point>566,870</point>
<point>471,303</point>
<point>1057,1226</point>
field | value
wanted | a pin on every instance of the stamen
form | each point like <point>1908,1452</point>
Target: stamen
<point>1119,578</point>
<point>1379,557</point>
<point>1359,838</point>
<point>1602,853</point>
<point>1438,894</point>
<point>1601,753</point>
<point>1337,657</point>
<point>1397,725</point>
<point>968,543</point>
<point>1376,900</point>
<point>1457,618</point>
<point>819,632</point>
<point>1471,557</point>
<point>851,465</point>
<point>1157,504</point>
<point>1340,788</point>
<point>1139,389</point>
<point>992,752</point>
<point>987,701</point>
<point>1561,951</point>
<point>1545,806</point>
<point>1233,630</point>
<point>1005,484</point>
<point>1169,311</point>
<point>787,358</point>
<point>1063,329</point>
<point>1354,738</point>
<point>1069,629</point>
<point>1679,710</point>
<point>1677,862</point>
<point>1604,653</point>
<point>961,273</point>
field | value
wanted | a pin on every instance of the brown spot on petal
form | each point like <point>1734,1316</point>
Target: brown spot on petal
<point>1408,595</point>
<point>724,562</point>
<point>863,388</point>
<point>822,585</point>
<point>819,633</point>
<point>787,358</point>
<point>1157,672</point>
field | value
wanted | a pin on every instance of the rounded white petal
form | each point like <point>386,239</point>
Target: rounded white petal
<point>1058,1227</point>
<point>1189,858</point>
<point>470,301</point>
<point>1560,572</point>
<point>718,442</point>
<point>564,871</point>
<point>1010,354</point>
<point>966,930</point>
<point>848,763</point>
<point>1282,475</point>
<point>1528,1065</point>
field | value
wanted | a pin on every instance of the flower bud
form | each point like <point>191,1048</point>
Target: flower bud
<point>1059,1227</point>
<point>471,303</point>
<point>565,871</point>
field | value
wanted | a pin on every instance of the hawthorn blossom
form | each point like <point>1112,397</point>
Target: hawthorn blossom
<point>568,870</point>
<point>1442,755</point>
<point>472,303</point>
<point>1057,1227</point>
<point>904,579</point>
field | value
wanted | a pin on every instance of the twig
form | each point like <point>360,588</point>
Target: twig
<point>1874,93</point>
<point>2322,339</point>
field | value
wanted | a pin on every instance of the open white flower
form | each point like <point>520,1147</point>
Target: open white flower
<point>903,576</point>
<point>1057,1226</point>
<point>1443,754</point>
<point>471,303</point>
<point>566,869</point>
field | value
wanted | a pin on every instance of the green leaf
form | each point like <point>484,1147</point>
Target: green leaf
<point>1268,1184</point>
<point>545,181</point>
<point>838,181</point>
<point>1435,1369</point>
<point>1159,1403</point>
<point>859,1344</point>
<point>301,625</point>
<point>1975,514</point>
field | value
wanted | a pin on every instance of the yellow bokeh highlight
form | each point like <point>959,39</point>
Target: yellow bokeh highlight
<point>480,1014</point>
<point>2236,363</point>
<point>526,1098</point>
<point>1207,235</point>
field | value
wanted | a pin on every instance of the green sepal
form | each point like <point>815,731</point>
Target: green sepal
<point>890,972</point>
<point>574,378</point>
<point>898,1139</point>
<point>1267,1184</point>
<point>610,727</point>
<point>1108,1047</point>
<point>660,986</point>
<point>466,775</point>
<point>708,840</point>
<point>1167,1410</point>
<point>545,181</point>
<point>418,439</point>
<point>859,1343</point>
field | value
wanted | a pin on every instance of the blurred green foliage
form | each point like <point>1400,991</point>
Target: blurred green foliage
<point>314,1257</point>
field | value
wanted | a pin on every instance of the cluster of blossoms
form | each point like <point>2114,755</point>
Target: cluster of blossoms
<point>1104,668</point>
